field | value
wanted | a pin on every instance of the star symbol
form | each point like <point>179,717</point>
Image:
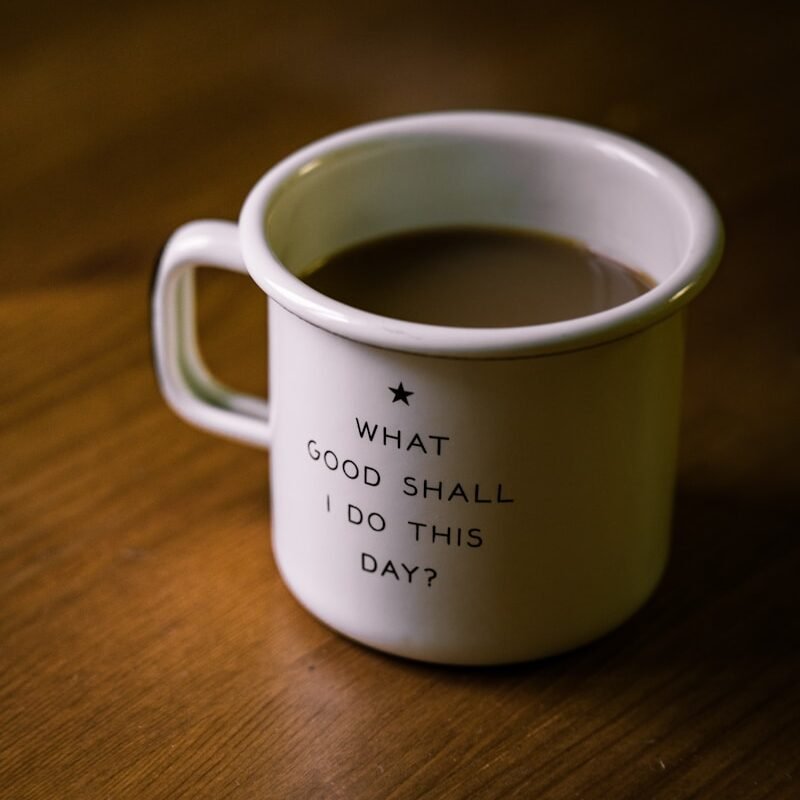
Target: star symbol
<point>400,393</point>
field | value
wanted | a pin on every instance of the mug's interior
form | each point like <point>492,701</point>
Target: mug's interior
<point>593,190</point>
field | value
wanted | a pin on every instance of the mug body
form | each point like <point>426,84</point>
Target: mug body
<point>512,508</point>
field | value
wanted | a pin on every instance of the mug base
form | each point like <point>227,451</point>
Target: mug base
<point>477,654</point>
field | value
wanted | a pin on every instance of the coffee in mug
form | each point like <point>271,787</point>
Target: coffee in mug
<point>476,277</point>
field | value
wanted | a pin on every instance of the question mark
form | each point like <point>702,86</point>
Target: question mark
<point>431,576</point>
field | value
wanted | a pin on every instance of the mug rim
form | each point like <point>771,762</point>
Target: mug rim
<point>670,295</point>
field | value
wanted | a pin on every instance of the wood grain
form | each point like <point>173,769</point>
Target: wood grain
<point>147,646</point>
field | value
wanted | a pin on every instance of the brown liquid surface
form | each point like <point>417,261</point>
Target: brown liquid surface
<point>476,277</point>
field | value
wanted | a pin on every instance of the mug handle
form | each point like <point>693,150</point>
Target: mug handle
<point>187,385</point>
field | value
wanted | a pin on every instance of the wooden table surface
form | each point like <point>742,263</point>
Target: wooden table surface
<point>147,646</point>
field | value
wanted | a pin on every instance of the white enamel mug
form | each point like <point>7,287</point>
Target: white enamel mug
<point>457,495</point>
